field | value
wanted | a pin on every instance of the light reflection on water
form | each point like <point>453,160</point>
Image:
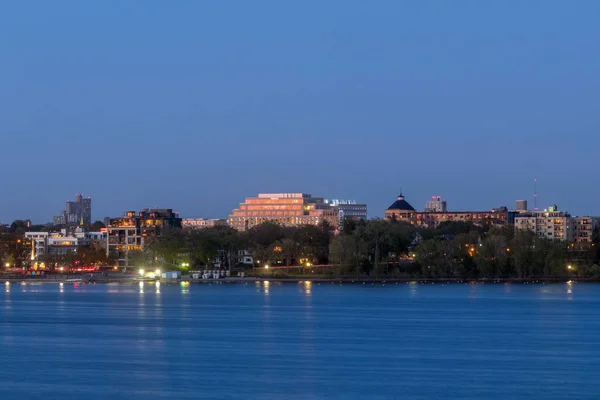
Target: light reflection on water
<point>300,340</point>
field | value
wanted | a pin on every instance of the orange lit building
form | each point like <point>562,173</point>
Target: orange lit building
<point>401,210</point>
<point>434,219</point>
<point>287,209</point>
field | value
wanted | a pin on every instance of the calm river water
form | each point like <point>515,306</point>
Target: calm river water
<point>300,341</point>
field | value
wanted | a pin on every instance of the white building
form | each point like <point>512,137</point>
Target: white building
<point>61,243</point>
<point>556,225</point>
<point>436,204</point>
<point>200,223</point>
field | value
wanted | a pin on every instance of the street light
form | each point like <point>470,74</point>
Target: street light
<point>157,272</point>
<point>569,267</point>
<point>142,272</point>
<point>266,267</point>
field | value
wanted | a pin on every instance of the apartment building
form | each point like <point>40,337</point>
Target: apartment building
<point>550,224</point>
<point>133,231</point>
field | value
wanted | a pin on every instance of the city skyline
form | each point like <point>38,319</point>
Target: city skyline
<point>171,107</point>
<point>418,204</point>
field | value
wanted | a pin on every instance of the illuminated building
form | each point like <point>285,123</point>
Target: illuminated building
<point>401,210</point>
<point>550,224</point>
<point>557,225</point>
<point>78,212</point>
<point>200,223</point>
<point>584,229</point>
<point>436,204</point>
<point>62,243</point>
<point>131,232</point>
<point>288,209</point>
<point>434,219</point>
<point>348,209</point>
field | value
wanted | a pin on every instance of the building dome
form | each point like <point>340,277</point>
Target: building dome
<point>401,204</point>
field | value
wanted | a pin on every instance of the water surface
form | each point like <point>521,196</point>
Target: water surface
<point>300,341</point>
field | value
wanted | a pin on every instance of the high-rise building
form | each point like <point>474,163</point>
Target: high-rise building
<point>550,224</point>
<point>521,205</point>
<point>287,209</point>
<point>131,232</point>
<point>584,229</point>
<point>436,204</point>
<point>78,212</point>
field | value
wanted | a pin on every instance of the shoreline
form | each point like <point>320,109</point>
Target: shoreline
<point>132,280</point>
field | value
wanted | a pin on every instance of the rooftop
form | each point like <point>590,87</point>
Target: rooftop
<point>401,204</point>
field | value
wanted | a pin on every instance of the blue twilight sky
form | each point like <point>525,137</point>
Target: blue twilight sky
<point>194,105</point>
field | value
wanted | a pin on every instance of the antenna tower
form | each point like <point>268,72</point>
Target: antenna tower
<point>535,194</point>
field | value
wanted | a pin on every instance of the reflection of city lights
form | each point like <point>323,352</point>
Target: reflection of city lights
<point>157,287</point>
<point>7,283</point>
<point>267,284</point>
<point>308,287</point>
<point>141,287</point>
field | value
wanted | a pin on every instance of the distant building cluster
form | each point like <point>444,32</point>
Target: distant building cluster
<point>132,232</point>
<point>551,223</point>
<point>78,212</point>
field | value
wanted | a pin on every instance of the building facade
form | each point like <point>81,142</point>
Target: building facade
<point>521,205</point>
<point>291,209</point>
<point>133,231</point>
<point>553,225</point>
<point>480,218</point>
<point>584,229</point>
<point>436,204</point>
<point>78,212</point>
<point>201,223</point>
<point>63,242</point>
<point>348,209</point>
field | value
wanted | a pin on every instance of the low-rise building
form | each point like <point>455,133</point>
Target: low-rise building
<point>63,242</point>
<point>133,231</point>
<point>347,210</point>
<point>434,219</point>
<point>200,223</point>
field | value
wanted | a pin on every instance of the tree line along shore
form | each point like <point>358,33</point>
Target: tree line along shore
<point>374,249</point>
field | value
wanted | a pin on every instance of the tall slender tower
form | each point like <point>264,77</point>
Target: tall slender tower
<point>535,206</point>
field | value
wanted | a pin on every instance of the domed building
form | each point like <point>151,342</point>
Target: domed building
<point>401,210</point>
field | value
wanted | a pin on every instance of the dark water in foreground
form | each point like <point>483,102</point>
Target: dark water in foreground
<point>300,341</point>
